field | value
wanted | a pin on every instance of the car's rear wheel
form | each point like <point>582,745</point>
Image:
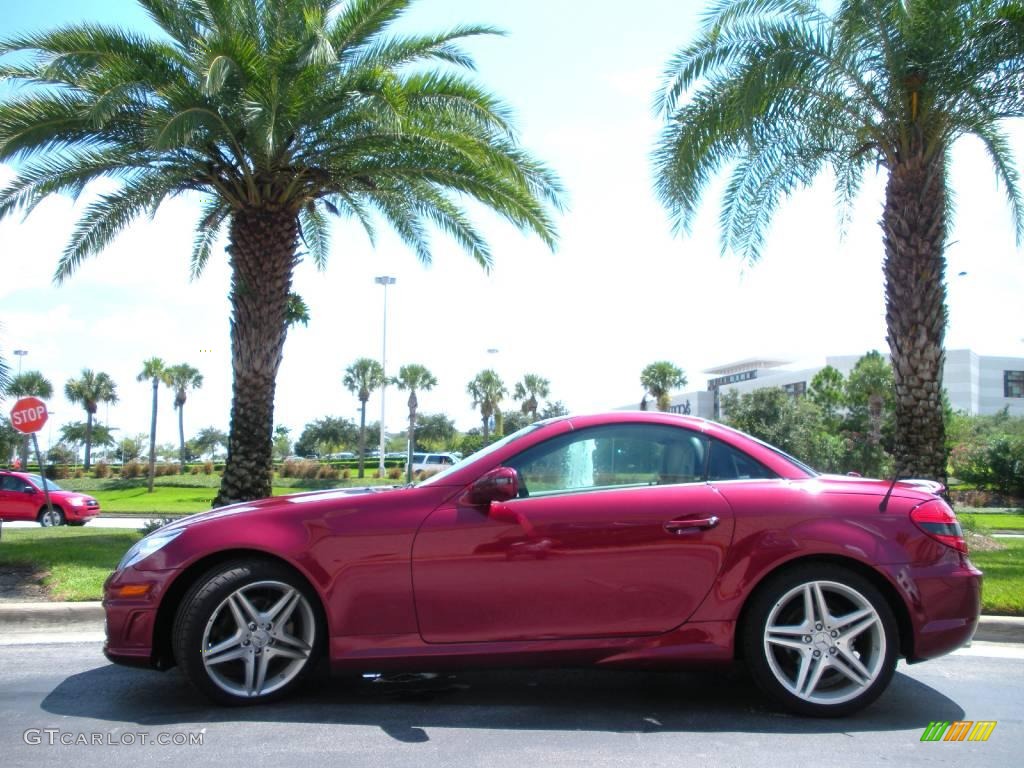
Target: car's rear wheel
<point>821,640</point>
<point>49,518</point>
<point>248,632</point>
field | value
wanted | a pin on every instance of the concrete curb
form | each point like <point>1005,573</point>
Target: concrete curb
<point>88,617</point>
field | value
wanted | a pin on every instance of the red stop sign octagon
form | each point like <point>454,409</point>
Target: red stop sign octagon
<point>28,415</point>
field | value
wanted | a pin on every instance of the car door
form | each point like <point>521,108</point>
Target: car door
<point>615,533</point>
<point>15,502</point>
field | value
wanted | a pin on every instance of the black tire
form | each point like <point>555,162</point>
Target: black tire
<point>206,619</point>
<point>822,674</point>
<point>76,523</point>
<point>50,521</point>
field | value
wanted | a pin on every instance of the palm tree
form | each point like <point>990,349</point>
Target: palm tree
<point>361,378</point>
<point>89,390</point>
<point>529,390</point>
<point>155,371</point>
<point>29,384</point>
<point>181,378</point>
<point>660,378</point>
<point>280,113</point>
<point>413,377</point>
<point>780,91</point>
<point>487,390</point>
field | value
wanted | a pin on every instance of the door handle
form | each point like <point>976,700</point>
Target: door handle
<point>687,524</point>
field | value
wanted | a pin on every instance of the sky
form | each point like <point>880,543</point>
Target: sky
<point>620,291</point>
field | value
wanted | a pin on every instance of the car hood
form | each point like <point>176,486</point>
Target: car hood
<point>278,502</point>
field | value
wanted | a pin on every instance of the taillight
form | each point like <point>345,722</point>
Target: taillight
<point>940,523</point>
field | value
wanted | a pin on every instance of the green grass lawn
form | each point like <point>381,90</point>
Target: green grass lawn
<point>1003,590</point>
<point>992,522</point>
<point>78,559</point>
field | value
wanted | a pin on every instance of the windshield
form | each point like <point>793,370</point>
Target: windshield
<point>483,453</point>
<point>50,485</point>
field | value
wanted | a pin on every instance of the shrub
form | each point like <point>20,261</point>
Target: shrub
<point>79,474</point>
<point>376,474</point>
<point>193,470</point>
<point>207,467</point>
<point>327,472</point>
<point>346,474</point>
<point>101,470</point>
<point>155,524</point>
<point>131,470</point>
<point>395,473</point>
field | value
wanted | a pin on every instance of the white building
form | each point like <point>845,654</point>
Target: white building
<point>976,384</point>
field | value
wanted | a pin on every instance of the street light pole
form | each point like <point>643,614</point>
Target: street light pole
<point>384,280</point>
<point>20,354</point>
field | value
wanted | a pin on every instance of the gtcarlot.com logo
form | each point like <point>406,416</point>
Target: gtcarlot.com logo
<point>958,730</point>
<point>54,736</point>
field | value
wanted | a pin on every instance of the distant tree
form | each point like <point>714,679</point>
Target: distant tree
<point>411,378</point>
<point>362,378</point>
<point>488,390</point>
<point>552,410</point>
<point>529,391</point>
<point>870,395</point>
<point>155,371</point>
<point>29,384</point>
<point>61,453</point>
<point>326,435</point>
<point>282,442</point>
<point>828,391</point>
<point>75,433</point>
<point>89,390</point>
<point>435,430</point>
<point>513,421</point>
<point>209,439</point>
<point>181,378</point>
<point>10,438</point>
<point>129,449</point>
<point>659,379</point>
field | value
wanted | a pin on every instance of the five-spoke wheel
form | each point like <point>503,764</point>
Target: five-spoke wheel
<point>821,640</point>
<point>50,517</point>
<point>247,632</point>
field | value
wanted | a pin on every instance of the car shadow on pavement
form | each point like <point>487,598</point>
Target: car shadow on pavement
<point>404,705</point>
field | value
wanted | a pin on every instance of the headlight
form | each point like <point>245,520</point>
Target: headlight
<point>147,546</point>
<point>76,501</point>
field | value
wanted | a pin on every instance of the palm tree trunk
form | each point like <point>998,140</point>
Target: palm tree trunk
<point>914,228</point>
<point>413,404</point>
<point>262,256</point>
<point>486,418</point>
<point>88,437</point>
<point>152,437</point>
<point>362,438</point>
<point>181,436</point>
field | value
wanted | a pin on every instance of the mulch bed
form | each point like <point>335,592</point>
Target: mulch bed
<point>22,583</point>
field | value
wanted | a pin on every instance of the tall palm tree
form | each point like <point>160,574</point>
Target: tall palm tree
<point>487,390</point>
<point>89,390</point>
<point>529,391</point>
<point>413,377</point>
<point>29,384</point>
<point>155,371</point>
<point>779,91</point>
<point>362,378</point>
<point>280,113</point>
<point>659,379</point>
<point>181,378</point>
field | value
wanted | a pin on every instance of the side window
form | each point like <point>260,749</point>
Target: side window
<point>434,460</point>
<point>727,463</point>
<point>12,483</point>
<point>610,457</point>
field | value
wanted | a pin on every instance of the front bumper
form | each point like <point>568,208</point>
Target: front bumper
<point>131,621</point>
<point>943,600</point>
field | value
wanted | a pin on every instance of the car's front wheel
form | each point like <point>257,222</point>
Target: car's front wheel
<point>51,517</point>
<point>247,632</point>
<point>821,640</point>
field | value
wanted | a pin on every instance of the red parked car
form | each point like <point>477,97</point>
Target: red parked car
<point>22,498</point>
<point>624,539</point>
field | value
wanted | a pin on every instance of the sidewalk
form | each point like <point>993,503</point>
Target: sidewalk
<point>30,618</point>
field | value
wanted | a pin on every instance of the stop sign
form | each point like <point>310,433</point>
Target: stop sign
<point>28,415</point>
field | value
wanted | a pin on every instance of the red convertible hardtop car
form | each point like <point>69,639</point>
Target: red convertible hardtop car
<point>620,540</point>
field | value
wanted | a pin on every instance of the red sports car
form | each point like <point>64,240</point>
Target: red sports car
<point>624,539</point>
<point>22,498</point>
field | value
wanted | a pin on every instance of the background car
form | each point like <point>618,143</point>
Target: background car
<point>22,498</point>
<point>432,462</point>
<point>622,539</point>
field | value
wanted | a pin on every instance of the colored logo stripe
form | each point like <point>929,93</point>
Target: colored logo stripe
<point>959,730</point>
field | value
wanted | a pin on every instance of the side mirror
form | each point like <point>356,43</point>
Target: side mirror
<point>28,489</point>
<point>500,484</point>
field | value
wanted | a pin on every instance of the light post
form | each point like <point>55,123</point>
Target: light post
<point>20,354</point>
<point>384,280</point>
